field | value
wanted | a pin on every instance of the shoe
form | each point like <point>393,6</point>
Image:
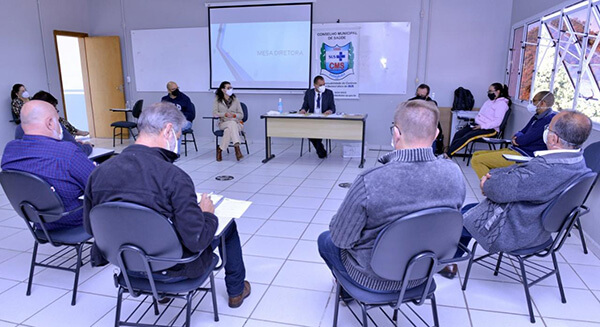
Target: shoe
<point>236,301</point>
<point>449,271</point>
<point>164,300</point>
<point>219,154</point>
<point>238,152</point>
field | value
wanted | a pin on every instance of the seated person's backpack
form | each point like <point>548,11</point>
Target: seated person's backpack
<point>463,99</point>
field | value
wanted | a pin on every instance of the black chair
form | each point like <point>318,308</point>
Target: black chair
<point>129,125</point>
<point>490,141</point>
<point>592,160</point>
<point>411,250</point>
<point>38,204</point>
<point>185,141</point>
<point>142,242</point>
<point>15,119</point>
<point>558,219</point>
<point>327,146</point>
<point>219,132</point>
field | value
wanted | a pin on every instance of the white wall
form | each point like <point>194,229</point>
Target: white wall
<point>448,63</point>
<point>28,48</point>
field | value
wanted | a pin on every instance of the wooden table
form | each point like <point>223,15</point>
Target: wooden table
<point>336,127</point>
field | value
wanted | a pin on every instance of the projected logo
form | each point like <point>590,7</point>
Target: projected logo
<point>337,62</point>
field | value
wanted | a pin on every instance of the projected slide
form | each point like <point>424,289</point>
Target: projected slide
<point>261,47</point>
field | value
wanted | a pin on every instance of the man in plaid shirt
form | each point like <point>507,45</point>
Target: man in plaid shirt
<point>43,153</point>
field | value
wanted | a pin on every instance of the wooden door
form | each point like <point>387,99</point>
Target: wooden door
<point>105,75</point>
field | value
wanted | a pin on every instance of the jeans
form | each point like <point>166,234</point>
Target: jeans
<point>235,272</point>
<point>465,237</point>
<point>331,255</point>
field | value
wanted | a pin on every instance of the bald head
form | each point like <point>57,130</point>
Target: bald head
<point>40,118</point>
<point>416,123</point>
<point>570,128</point>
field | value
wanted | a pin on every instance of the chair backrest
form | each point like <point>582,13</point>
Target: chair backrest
<point>592,156</point>
<point>435,230</point>
<point>569,200</point>
<point>32,197</point>
<point>118,224</point>
<point>245,110</point>
<point>137,108</point>
<point>504,123</point>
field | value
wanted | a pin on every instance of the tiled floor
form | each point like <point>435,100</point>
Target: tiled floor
<point>293,200</point>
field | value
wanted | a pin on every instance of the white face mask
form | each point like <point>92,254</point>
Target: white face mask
<point>545,136</point>
<point>175,146</point>
<point>229,92</point>
<point>58,135</point>
<point>25,94</point>
<point>321,88</point>
<point>392,143</point>
<point>531,108</point>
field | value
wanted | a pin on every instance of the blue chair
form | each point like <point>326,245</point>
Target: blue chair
<point>219,132</point>
<point>411,250</point>
<point>129,125</point>
<point>185,141</point>
<point>558,219</point>
<point>592,160</point>
<point>38,204</point>
<point>142,243</point>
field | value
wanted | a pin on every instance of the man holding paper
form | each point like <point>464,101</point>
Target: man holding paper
<point>144,174</point>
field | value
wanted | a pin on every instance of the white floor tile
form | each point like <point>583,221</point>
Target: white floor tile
<point>574,254</point>
<point>17,307</point>
<point>7,254</point>
<point>305,275</point>
<point>294,214</point>
<point>260,269</point>
<point>294,306</point>
<point>101,283</point>
<point>313,192</point>
<point>313,231</point>
<point>88,310</point>
<point>244,311</point>
<point>8,231</point>
<point>6,324</point>
<point>497,319</point>
<point>319,183</point>
<point>323,217</point>
<point>306,251</point>
<point>262,323</point>
<point>17,267</point>
<point>245,187</point>
<point>21,241</point>
<point>589,274</point>
<point>272,247</point>
<point>259,211</point>
<point>6,284</point>
<point>277,189</point>
<point>268,199</point>
<point>497,296</point>
<point>331,204</point>
<point>289,181</point>
<point>569,323</point>
<point>249,225</point>
<point>282,229</point>
<point>581,304</point>
<point>303,202</point>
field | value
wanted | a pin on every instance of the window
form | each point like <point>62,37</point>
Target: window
<point>561,52</point>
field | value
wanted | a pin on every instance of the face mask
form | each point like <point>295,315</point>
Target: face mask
<point>25,94</point>
<point>59,135</point>
<point>229,92</point>
<point>531,108</point>
<point>392,143</point>
<point>321,88</point>
<point>176,145</point>
<point>175,92</point>
<point>545,136</point>
<point>492,96</point>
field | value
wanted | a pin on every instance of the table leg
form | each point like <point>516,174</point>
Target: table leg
<point>362,148</point>
<point>268,155</point>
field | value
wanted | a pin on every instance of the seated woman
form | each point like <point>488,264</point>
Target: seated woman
<point>229,109</point>
<point>19,96</point>
<point>488,120</point>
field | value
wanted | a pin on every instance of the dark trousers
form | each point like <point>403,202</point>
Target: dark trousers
<point>331,255</point>
<point>235,271</point>
<point>462,137</point>
<point>465,237</point>
<point>318,144</point>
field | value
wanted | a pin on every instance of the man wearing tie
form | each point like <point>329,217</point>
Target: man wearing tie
<point>318,100</point>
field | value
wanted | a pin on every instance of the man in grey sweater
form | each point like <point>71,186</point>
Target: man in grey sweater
<point>412,179</point>
<point>510,217</point>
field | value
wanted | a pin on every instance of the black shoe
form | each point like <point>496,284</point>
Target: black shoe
<point>322,155</point>
<point>449,271</point>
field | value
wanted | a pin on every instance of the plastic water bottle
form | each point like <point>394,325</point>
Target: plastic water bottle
<point>280,106</point>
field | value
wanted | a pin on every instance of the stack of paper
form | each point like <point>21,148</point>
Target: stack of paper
<point>226,210</point>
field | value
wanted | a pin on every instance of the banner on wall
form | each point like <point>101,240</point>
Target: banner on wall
<point>337,50</point>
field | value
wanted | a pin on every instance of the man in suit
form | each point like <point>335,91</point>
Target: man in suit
<point>318,100</point>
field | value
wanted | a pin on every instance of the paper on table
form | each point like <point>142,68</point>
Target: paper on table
<point>214,197</point>
<point>232,208</point>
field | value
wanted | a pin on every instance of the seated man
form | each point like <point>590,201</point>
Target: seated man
<point>422,93</point>
<point>144,174</point>
<point>67,136</point>
<point>525,142</point>
<point>41,152</point>
<point>509,218</point>
<point>318,100</point>
<point>183,103</point>
<point>411,179</point>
